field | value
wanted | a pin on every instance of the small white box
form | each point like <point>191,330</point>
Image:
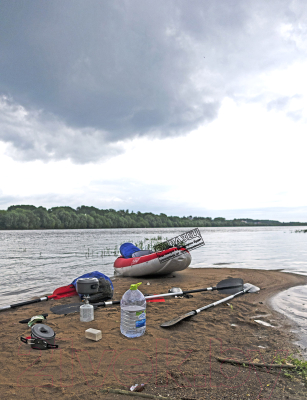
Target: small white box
<point>93,334</point>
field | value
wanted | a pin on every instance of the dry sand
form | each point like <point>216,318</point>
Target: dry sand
<point>179,362</point>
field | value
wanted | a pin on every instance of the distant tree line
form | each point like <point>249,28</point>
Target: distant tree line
<point>31,217</point>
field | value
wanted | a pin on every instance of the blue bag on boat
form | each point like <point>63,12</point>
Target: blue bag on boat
<point>94,274</point>
<point>127,249</point>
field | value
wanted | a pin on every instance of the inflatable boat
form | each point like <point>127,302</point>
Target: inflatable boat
<point>146,262</point>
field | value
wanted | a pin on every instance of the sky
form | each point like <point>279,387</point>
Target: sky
<point>165,106</point>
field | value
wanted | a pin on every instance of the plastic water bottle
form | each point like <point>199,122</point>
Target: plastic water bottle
<point>133,312</point>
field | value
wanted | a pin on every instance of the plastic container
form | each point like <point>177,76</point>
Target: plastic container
<point>86,313</point>
<point>133,312</point>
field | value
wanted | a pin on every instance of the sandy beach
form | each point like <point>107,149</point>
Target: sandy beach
<point>176,363</point>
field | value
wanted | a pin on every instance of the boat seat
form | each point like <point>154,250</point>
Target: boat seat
<point>141,253</point>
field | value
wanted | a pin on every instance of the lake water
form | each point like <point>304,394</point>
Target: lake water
<point>33,263</point>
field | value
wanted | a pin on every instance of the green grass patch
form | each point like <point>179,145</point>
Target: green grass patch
<point>300,370</point>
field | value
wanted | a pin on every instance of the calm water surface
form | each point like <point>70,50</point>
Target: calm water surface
<point>37,262</point>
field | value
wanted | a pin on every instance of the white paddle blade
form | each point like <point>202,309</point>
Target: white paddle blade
<point>248,287</point>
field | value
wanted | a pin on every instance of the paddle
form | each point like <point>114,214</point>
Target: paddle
<point>59,293</point>
<point>247,288</point>
<point>227,286</point>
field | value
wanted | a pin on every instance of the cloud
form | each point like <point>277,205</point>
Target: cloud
<point>90,74</point>
<point>278,104</point>
<point>281,103</point>
<point>291,105</point>
<point>33,135</point>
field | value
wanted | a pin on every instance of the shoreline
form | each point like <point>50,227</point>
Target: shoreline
<point>178,362</point>
<point>290,303</point>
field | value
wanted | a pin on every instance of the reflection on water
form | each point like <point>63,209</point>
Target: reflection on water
<point>37,262</point>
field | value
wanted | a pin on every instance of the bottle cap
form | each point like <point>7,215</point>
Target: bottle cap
<point>135,286</point>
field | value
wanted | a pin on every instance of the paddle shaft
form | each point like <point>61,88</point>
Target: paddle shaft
<point>156,296</point>
<point>189,291</point>
<point>220,301</point>
<point>64,291</point>
<point>105,303</point>
<point>247,288</point>
<point>178,293</point>
<point>110,303</point>
<point>25,303</point>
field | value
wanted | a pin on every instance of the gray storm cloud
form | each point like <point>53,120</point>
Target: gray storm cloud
<point>33,135</point>
<point>91,73</point>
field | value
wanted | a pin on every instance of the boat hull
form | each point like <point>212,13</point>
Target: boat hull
<point>151,264</point>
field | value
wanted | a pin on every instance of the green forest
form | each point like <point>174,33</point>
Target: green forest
<point>84,217</point>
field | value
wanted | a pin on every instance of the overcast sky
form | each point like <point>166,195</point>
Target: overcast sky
<point>173,106</point>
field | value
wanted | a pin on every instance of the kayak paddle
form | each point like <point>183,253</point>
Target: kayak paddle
<point>247,288</point>
<point>227,286</point>
<point>59,293</point>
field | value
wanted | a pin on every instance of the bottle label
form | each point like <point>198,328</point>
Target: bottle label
<point>140,323</point>
<point>141,315</point>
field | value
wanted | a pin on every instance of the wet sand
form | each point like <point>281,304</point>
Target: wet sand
<point>179,362</point>
<point>293,303</point>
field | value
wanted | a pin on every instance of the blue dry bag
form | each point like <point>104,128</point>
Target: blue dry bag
<point>127,249</point>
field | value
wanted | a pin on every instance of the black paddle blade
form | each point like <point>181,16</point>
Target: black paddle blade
<point>66,308</point>
<point>174,321</point>
<point>75,307</point>
<point>230,285</point>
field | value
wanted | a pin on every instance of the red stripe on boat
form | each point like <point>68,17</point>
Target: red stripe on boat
<point>122,262</point>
